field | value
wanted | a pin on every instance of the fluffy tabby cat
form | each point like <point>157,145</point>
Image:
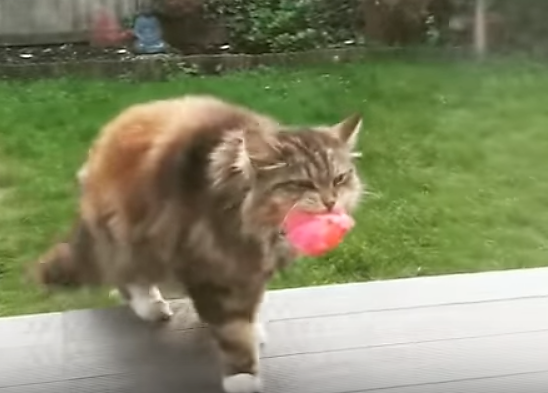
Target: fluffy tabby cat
<point>196,189</point>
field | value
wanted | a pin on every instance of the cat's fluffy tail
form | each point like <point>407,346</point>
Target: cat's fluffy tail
<point>69,264</point>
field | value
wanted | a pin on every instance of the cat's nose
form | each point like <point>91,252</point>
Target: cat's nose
<point>329,203</point>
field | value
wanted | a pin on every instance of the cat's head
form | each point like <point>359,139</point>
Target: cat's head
<point>310,169</point>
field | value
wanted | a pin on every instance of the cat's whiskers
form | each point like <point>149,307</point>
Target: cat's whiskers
<point>371,194</point>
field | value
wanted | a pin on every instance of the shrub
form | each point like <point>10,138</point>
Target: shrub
<point>262,26</point>
<point>265,26</point>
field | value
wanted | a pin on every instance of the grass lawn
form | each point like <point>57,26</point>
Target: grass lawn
<point>455,156</point>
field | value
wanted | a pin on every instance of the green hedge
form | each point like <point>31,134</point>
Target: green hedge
<point>266,26</point>
<point>262,26</point>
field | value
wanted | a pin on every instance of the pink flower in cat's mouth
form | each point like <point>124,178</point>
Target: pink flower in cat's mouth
<point>314,234</point>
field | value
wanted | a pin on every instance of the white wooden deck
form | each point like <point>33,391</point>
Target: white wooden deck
<point>470,333</point>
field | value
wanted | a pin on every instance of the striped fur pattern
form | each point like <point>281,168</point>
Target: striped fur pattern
<point>195,189</point>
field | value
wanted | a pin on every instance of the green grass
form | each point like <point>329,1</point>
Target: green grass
<point>455,156</point>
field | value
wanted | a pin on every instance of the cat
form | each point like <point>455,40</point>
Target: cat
<point>196,188</point>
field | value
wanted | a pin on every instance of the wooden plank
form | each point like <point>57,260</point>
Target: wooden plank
<point>449,347</point>
<point>375,304</point>
<point>171,360</point>
<point>32,364</point>
<point>170,382</point>
<point>30,330</point>
<point>411,326</point>
<point>526,383</point>
<point>293,336</point>
<point>407,293</point>
<point>360,370</point>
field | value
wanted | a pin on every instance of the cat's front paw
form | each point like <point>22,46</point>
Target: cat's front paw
<point>151,310</point>
<point>242,383</point>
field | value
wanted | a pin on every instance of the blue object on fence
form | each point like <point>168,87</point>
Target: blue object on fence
<point>148,34</point>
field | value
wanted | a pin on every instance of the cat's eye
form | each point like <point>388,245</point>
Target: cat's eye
<point>339,179</point>
<point>304,184</point>
<point>301,184</point>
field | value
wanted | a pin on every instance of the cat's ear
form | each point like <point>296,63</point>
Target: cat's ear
<point>243,151</point>
<point>257,148</point>
<point>348,130</point>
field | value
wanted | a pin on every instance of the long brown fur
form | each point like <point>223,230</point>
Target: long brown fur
<point>196,189</point>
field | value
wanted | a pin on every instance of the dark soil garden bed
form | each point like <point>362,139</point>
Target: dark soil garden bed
<point>63,53</point>
<point>87,61</point>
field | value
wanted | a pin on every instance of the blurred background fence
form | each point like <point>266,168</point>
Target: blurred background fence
<point>266,26</point>
<point>43,22</point>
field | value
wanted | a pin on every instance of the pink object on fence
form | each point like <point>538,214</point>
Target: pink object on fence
<point>106,30</point>
<point>316,234</point>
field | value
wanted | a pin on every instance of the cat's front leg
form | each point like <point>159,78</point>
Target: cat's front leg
<point>231,311</point>
<point>242,383</point>
<point>146,302</point>
<point>237,340</point>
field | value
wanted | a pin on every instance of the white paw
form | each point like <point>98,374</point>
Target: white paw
<point>151,310</point>
<point>149,304</point>
<point>242,383</point>
<point>260,333</point>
